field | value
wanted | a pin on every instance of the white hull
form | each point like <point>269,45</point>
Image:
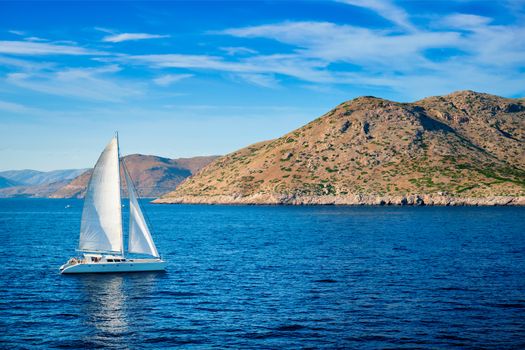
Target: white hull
<point>134,265</point>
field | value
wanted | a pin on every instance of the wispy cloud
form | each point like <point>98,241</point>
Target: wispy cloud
<point>287,64</point>
<point>15,107</point>
<point>168,79</point>
<point>264,80</point>
<point>329,53</point>
<point>38,48</point>
<point>24,64</point>
<point>83,83</point>
<point>488,44</point>
<point>117,38</point>
<point>17,32</point>
<point>333,42</point>
<point>464,21</point>
<point>238,50</point>
<point>386,9</point>
<point>104,30</point>
<point>314,52</point>
<point>176,60</point>
<point>385,58</point>
<point>35,38</point>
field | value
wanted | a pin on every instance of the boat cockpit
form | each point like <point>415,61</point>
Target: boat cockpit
<point>95,258</point>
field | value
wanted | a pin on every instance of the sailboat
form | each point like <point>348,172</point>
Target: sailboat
<point>101,233</point>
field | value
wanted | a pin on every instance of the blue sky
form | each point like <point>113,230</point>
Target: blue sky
<point>181,79</point>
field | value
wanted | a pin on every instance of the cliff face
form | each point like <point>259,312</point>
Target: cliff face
<point>463,148</point>
<point>151,175</point>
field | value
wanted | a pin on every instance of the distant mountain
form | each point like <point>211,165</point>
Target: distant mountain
<point>34,183</point>
<point>4,182</point>
<point>35,177</point>
<point>33,191</point>
<point>151,175</point>
<point>463,148</point>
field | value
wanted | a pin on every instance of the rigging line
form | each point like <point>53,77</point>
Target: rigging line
<point>148,222</point>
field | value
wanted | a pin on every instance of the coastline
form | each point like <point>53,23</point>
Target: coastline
<point>357,199</point>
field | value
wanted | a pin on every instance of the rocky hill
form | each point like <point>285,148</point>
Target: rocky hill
<point>152,175</point>
<point>463,148</point>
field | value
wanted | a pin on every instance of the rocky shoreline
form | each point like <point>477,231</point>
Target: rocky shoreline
<point>356,199</point>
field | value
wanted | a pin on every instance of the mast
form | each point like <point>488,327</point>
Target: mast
<point>119,198</point>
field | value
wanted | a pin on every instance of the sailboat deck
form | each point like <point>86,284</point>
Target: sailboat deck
<point>126,265</point>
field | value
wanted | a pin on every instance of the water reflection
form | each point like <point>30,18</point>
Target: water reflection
<point>110,306</point>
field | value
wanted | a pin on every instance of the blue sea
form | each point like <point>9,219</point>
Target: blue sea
<point>272,277</point>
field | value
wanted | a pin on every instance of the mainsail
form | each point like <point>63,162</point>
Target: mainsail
<point>101,227</point>
<point>140,240</point>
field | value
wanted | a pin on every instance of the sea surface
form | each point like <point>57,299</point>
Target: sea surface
<point>272,277</point>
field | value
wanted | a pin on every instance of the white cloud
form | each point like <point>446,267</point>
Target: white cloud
<point>386,9</point>
<point>23,64</point>
<point>37,48</point>
<point>15,107</point>
<point>17,32</point>
<point>331,42</point>
<point>35,38</point>
<point>168,79</point>
<point>318,53</point>
<point>104,30</point>
<point>82,83</point>
<point>400,61</point>
<point>117,38</point>
<point>464,21</point>
<point>488,44</point>
<point>328,53</point>
<point>264,80</point>
<point>177,61</point>
<point>289,64</point>
<point>236,50</point>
